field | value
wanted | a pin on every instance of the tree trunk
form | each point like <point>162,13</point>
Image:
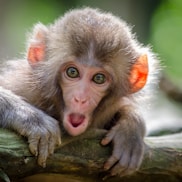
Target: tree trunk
<point>82,158</point>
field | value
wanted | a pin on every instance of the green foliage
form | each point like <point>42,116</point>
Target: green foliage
<point>23,14</point>
<point>167,36</point>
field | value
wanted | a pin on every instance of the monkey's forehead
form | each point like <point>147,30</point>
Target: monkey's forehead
<point>90,29</point>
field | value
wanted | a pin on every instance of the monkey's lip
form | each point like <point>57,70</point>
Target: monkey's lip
<point>76,119</point>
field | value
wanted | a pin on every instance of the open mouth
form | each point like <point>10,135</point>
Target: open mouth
<point>76,119</point>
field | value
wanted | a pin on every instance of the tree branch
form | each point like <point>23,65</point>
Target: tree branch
<point>83,156</point>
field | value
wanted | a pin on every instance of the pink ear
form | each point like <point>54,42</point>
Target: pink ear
<point>139,74</point>
<point>36,49</point>
<point>36,53</point>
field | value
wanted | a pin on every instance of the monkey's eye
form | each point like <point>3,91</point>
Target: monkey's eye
<point>72,72</point>
<point>99,78</point>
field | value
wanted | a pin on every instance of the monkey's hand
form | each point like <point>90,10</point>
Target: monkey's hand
<point>43,136</point>
<point>42,131</point>
<point>128,146</point>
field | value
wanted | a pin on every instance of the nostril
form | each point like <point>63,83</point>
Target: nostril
<point>76,100</point>
<point>80,101</point>
<point>83,101</point>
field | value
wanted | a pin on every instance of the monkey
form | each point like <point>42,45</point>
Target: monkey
<point>86,70</point>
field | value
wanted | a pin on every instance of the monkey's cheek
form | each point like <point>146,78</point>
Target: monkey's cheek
<point>75,131</point>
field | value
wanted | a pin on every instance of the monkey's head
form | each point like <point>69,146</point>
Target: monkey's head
<point>89,55</point>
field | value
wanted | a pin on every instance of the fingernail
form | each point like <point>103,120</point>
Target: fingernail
<point>43,164</point>
<point>106,166</point>
<point>104,141</point>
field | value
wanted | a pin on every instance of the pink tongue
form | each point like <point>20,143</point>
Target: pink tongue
<point>76,119</point>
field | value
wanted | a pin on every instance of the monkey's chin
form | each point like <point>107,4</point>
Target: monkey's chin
<point>75,123</point>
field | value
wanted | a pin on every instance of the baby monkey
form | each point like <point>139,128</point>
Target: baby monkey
<point>85,70</point>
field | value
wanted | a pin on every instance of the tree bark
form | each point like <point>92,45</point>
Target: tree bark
<point>83,157</point>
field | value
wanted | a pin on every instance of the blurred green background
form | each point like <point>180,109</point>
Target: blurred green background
<point>156,22</point>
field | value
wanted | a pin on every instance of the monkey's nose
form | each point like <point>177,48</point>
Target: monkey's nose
<point>80,100</point>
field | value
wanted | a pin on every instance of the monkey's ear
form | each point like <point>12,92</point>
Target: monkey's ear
<point>36,48</point>
<point>139,73</point>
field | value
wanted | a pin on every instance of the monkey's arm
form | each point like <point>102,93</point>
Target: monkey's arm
<point>128,145</point>
<point>41,130</point>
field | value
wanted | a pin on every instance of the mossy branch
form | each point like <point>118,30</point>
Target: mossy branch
<point>83,156</point>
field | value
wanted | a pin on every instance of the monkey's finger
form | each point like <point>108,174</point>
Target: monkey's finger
<point>53,143</point>
<point>122,166</point>
<point>33,144</point>
<point>43,151</point>
<point>136,157</point>
<point>110,135</point>
<point>58,141</point>
<point>116,154</point>
<point>110,162</point>
<point>115,157</point>
<point>105,141</point>
<point>108,138</point>
<point>58,138</point>
<point>129,161</point>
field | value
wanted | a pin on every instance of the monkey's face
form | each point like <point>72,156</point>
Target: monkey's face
<point>83,88</point>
